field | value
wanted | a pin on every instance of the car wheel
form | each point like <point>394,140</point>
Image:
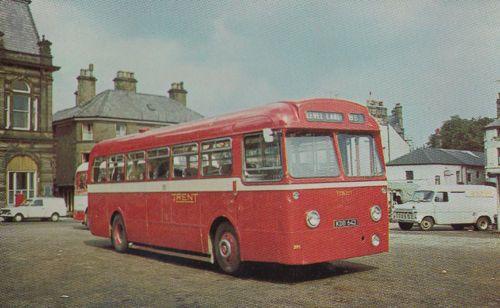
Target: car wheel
<point>18,218</point>
<point>426,224</point>
<point>227,249</point>
<point>458,227</point>
<point>54,217</point>
<point>119,234</point>
<point>405,225</point>
<point>482,223</point>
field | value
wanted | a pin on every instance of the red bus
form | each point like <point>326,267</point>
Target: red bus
<point>290,182</point>
<point>80,197</point>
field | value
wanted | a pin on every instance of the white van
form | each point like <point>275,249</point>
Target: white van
<point>455,205</point>
<point>45,207</point>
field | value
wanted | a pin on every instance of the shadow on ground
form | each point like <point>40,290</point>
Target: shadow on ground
<point>269,272</point>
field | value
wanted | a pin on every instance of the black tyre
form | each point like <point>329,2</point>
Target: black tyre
<point>482,223</point>
<point>458,227</point>
<point>18,218</point>
<point>426,224</point>
<point>119,234</point>
<point>227,249</point>
<point>54,217</point>
<point>405,225</point>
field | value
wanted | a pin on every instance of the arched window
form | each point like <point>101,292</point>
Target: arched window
<point>19,106</point>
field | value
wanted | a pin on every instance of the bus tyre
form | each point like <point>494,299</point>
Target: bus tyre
<point>482,223</point>
<point>54,217</point>
<point>18,218</point>
<point>405,225</point>
<point>227,249</point>
<point>426,224</point>
<point>458,227</point>
<point>119,235</point>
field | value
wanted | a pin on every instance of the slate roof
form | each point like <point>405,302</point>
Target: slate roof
<point>16,22</point>
<point>433,156</point>
<point>119,104</point>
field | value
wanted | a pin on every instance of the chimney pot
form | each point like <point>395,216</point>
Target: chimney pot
<point>86,85</point>
<point>125,81</point>
<point>177,92</point>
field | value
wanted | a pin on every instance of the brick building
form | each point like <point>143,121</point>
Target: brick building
<point>109,114</point>
<point>26,139</point>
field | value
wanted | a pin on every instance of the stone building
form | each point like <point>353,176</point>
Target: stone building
<point>26,139</point>
<point>392,132</point>
<point>109,114</point>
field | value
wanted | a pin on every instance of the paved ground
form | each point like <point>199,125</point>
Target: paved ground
<point>61,264</point>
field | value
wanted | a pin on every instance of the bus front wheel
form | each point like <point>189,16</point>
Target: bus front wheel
<point>119,235</point>
<point>227,249</point>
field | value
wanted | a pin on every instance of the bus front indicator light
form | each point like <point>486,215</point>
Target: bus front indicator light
<point>312,219</point>
<point>376,213</point>
<point>375,240</point>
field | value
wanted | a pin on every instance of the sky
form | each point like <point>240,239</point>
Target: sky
<point>436,59</point>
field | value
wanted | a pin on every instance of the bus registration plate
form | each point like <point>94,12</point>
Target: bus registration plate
<point>345,223</point>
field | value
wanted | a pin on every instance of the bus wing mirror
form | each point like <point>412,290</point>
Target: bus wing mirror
<point>268,135</point>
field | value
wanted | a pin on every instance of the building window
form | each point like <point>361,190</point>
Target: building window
<point>20,183</point>
<point>458,177</point>
<point>477,174</point>
<point>35,113</point>
<point>409,175</point>
<point>469,177</point>
<point>121,129</point>
<point>21,114</point>
<point>498,154</point>
<point>87,132</point>
<point>437,180</point>
<point>85,157</point>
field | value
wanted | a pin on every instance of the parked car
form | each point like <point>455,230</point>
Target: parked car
<point>455,205</point>
<point>43,208</point>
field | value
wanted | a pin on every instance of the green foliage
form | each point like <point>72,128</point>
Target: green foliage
<point>460,134</point>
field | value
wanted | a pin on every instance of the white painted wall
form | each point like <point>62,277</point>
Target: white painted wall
<point>491,144</point>
<point>394,146</point>
<point>427,174</point>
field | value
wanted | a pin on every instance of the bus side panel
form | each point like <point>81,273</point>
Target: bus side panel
<point>158,218</point>
<point>97,215</point>
<point>133,207</point>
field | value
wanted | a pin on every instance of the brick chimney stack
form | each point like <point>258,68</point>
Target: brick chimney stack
<point>178,93</point>
<point>125,81</point>
<point>86,85</point>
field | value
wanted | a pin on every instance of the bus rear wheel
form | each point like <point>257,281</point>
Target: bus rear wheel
<point>405,225</point>
<point>119,235</point>
<point>227,249</point>
<point>427,223</point>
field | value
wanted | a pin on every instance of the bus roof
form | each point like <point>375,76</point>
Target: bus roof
<point>287,114</point>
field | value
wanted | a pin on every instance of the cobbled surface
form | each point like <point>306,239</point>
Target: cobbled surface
<point>62,264</point>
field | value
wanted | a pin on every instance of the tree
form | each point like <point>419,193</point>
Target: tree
<point>460,134</point>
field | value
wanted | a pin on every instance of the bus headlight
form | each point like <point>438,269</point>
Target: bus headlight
<point>375,240</point>
<point>376,213</point>
<point>312,219</point>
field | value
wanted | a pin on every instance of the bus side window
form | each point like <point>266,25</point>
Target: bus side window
<point>158,163</point>
<point>99,170</point>
<point>262,159</point>
<point>441,197</point>
<point>136,166</point>
<point>116,168</point>
<point>185,158</point>
<point>216,157</point>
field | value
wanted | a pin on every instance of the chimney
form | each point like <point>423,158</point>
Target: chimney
<point>125,81</point>
<point>86,85</point>
<point>498,106</point>
<point>177,92</point>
